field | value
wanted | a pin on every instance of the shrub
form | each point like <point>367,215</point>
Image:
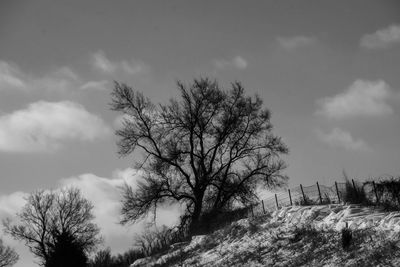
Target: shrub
<point>306,201</point>
<point>67,251</point>
<point>253,226</point>
<point>213,220</point>
<point>388,192</point>
<point>354,193</point>
<point>347,237</point>
<point>104,258</point>
<point>303,232</point>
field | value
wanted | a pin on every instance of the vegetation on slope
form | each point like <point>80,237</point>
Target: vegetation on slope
<point>266,241</point>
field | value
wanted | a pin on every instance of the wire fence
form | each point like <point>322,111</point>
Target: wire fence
<point>367,193</point>
<point>313,195</point>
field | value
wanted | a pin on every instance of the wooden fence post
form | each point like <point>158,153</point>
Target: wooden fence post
<point>304,196</point>
<point>355,188</point>
<point>290,197</point>
<point>337,192</point>
<point>262,201</point>
<point>276,200</point>
<point>376,193</point>
<point>319,193</point>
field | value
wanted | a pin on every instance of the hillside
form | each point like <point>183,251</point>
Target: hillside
<point>294,236</point>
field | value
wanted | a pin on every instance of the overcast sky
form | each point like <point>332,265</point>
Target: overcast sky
<point>328,71</point>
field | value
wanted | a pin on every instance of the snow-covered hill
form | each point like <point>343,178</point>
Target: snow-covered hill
<point>294,236</point>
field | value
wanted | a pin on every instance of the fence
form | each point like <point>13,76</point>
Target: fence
<point>315,195</point>
<point>350,191</point>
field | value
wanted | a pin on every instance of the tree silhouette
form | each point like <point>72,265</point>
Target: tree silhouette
<point>67,251</point>
<point>208,150</point>
<point>49,218</point>
<point>8,256</point>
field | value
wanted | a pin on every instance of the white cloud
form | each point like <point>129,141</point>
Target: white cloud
<point>45,126</point>
<point>105,195</point>
<point>362,98</point>
<point>10,76</point>
<point>343,139</point>
<point>382,38</point>
<point>291,43</point>
<point>63,79</point>
<point>237,62</point>
<point>95,85</point>
<point>11,203</point>
<point>102,63</point>
<point>60,79</point>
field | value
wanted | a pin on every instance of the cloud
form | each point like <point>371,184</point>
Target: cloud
<point>11,203</point>
<point>382,38</point>
<point>105,195</point>
<point>95,85</point>
<point>291,43</point>
<point>101,62</point>
<point>362,98</point>
<point>46,126</point>
<point>10,77</point>
<point>60,79</point>
<point>237,62</point>
<point>105,65</point>
<point>343,139</point>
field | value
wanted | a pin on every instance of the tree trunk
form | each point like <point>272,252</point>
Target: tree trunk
<point>195,227</point>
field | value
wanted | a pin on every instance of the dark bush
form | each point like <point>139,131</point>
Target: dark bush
<point>347,237</point>
<point>211,221</point>
<point>304,232</point>
<point>387,192</point>
<point>67,252</point>
<point>354,193</point>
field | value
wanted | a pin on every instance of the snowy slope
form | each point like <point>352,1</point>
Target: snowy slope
<point>294,236</point>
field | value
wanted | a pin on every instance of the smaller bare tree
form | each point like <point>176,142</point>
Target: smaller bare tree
<point>48,215</point>
<point>8,257</point>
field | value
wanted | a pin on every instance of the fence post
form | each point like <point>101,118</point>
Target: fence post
<point>262,201</point>
<point>337,192</point>
<point>319,193</point>
<point>252,211</point>
<point>304,196</point>
<point>276,200</point>
<point>376,194</point>
<point>355,188</point>
<point>290,197</point>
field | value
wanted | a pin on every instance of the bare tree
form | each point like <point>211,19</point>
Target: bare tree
<point>208,150</point>
<point>153,239</point>
<point>8,257</point>
<point>49,215</point>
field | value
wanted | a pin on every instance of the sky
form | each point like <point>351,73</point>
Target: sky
<point>328,71</point>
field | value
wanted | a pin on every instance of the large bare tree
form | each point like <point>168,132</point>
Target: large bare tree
<point>207,150</point>
<point>50,215</point>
